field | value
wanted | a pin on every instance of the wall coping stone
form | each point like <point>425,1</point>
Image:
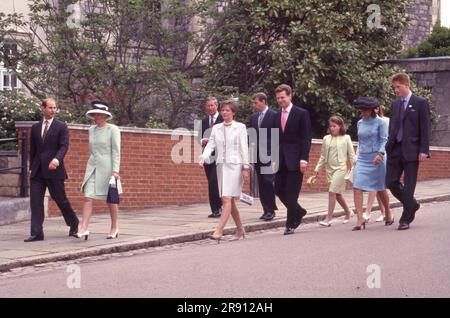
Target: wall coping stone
<point>152,131</point>
<point>424,64</point>
<point>9,153</point>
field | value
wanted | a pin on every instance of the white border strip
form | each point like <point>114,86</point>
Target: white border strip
<point>136,130</point>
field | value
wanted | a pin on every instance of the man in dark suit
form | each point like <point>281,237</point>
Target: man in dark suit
<point>294,144</point>
<point>49,142</point>
<point>407,145</point>
<point>263,120</point>
<point>215,202</point>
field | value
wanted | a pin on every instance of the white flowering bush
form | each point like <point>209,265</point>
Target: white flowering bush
<point>16,106</point>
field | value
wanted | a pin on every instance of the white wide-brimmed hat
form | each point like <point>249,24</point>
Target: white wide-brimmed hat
<point>99,107</point>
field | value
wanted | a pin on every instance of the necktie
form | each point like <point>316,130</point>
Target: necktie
<point>211,121</point>
<point>284,115</point>
<point>402,116</point>
<point>260,119</point>
<point>45,129</point>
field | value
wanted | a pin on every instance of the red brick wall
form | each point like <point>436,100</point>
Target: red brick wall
<point>150,178</point>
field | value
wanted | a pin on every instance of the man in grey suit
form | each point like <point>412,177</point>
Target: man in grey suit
<point>407,145</point>
<point>214,117</point>
<point>263,120</point>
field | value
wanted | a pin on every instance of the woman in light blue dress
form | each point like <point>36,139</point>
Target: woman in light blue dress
<point>370,168</point>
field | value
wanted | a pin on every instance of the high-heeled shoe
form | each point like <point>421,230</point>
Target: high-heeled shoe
<point>366,217</point>
<point>387,223</point>
<point>115,235</point>
<point>237,238</point>
<point>326,223</point>
<point>347,219</point>
<point>358,227</point>
<point>85,234</point>
<point>216,238</point>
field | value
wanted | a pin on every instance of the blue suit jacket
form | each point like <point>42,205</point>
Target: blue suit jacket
<point>268,122</point>
<point>295,142</point>
<point>416,127</point>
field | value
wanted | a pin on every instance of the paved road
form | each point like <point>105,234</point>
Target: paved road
<point>314,262</point>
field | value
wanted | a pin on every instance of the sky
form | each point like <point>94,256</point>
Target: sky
<point>445,13</point>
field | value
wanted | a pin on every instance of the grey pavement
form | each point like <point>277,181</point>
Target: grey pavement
<point>314,262</point>
<point>163,226</point>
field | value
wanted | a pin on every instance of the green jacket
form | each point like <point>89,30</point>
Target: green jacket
<point>344,148</point>
<point>104,149</point>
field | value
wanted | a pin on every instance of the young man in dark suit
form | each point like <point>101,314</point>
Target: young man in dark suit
<point>294,144</point>
<point>49,142</point>
<point>214,117</point>
<point>263,120</point>
<point>407,145</point>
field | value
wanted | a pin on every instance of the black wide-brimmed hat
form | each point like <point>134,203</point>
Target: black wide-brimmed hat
<point>99,107</point>
<point>366,102</point>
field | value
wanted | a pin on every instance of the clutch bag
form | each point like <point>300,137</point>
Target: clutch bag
<point>247,199</point>
<point>113,192</point>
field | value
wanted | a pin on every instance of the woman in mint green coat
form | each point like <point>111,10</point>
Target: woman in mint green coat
<point>102,166</point>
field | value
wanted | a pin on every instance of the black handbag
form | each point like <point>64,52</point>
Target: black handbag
<point>113,194</point>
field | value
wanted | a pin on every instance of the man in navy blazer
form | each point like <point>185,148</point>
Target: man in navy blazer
<point>263,120</point>
<point>214,117</point>
<point>294,127</point>
<point>407,145</point>
<point>49,142</point>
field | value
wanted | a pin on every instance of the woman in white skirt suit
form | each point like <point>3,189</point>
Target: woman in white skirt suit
<point>229,139</point>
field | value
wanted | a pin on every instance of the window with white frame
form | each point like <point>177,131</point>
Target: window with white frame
<point>8,80</point>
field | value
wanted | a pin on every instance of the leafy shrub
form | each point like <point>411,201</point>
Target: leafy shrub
<point>16,106</point>
<point>437,44</point>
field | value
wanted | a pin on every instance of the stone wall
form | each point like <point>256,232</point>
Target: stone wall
<point>151,178</point>
<point>433,73</point>
<point>10,179</point>
<point>423,14</point>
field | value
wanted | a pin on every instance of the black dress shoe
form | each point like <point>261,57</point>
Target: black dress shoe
<point>34,238</point>
<point>215,214</point>
<point>302,212</point>
<point>297,223</point>
<point>263,217</point>
<point>417,207</point>
<point>73,229</point>
<point>269,216</point>
<point>403,226</point>
<point>289,230</point>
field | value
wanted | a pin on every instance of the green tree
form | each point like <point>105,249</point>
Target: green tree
<point>330,52</point>
<point>135,54</point>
